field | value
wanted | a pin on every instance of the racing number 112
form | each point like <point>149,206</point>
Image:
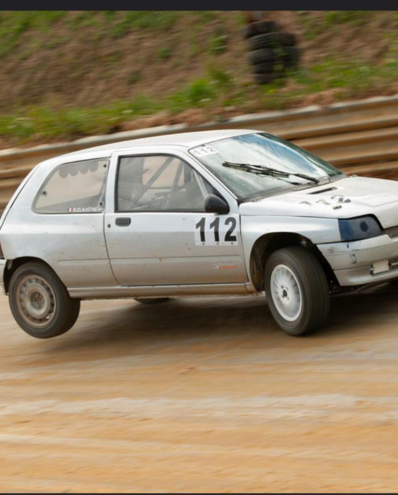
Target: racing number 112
<point>228,235</point>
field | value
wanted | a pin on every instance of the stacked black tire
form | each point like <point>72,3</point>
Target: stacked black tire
<point>271,52</point>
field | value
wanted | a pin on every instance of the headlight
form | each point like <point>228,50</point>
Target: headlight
<point>355,229</point>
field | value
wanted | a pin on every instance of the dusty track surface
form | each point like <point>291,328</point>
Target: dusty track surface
<point>202,395</point>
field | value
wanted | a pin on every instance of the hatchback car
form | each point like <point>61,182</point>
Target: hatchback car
<point>226,213</point>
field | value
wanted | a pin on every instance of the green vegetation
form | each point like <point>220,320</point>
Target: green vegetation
<point>209,45</point>
<point>218,44</point>
<point>14,24</point>
<point>355,17</point>
<point>222,78</point>
<point>218,88</point>
<point>164,53</point>
<point>332,20</point>
<point>45,122</point>
<point>110,23</point>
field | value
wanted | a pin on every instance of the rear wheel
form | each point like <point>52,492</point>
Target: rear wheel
<point>297,290</point>
<point>40,303</point>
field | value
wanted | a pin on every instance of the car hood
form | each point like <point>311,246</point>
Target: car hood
<point>345,198</point>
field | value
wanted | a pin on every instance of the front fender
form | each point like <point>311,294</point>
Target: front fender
<point>317,230</point>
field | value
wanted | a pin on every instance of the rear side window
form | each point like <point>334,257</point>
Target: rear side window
<point>77,187</point>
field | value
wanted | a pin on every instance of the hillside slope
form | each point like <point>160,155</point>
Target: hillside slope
<point>68,74</point>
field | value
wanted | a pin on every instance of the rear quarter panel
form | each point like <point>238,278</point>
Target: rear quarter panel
<point>72,244</point>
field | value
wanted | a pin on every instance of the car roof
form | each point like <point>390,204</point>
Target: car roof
<point>183,139</point>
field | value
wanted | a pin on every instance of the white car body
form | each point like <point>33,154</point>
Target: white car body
<point>161,253</point>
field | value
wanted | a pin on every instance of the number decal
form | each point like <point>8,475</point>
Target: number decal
<point>203,151</point>
<point>201,225</point>
<point>216,225</point>
<point>228,236</point>
<point>219,232</point>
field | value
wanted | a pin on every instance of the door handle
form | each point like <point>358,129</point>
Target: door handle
<point>123,221</point>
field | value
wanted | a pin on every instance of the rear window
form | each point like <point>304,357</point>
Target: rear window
<point>77,187</point>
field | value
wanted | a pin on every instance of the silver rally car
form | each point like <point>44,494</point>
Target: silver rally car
<point>235,212</point>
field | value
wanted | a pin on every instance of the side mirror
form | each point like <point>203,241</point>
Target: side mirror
<point>215,204</point>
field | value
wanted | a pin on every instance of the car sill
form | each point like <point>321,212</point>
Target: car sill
<point>160,290</point>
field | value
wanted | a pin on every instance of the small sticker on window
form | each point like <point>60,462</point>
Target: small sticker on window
<point>89,209</point>
<point>204,151</point>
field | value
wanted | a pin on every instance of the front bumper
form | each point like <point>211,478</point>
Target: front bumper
<point>363,262</point>
<point>2,268</point>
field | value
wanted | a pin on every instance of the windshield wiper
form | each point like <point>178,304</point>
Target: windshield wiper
<point>263,170</point>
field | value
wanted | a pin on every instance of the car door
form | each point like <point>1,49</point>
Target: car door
<point>157,230</point>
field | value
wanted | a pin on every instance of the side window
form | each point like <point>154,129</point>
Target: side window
<point>77,187</point>
<point>159,183</point>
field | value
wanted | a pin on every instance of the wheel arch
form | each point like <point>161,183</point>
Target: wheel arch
<point>269,243</point>
<point>13,265</point>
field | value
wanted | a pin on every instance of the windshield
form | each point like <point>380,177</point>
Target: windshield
<point>261,150</point>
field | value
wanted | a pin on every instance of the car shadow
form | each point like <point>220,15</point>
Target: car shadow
<point>176,320</point>
<point>130,328</point>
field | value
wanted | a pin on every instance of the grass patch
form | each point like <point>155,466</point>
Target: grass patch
<point>112,24</point>
<point>149,19</point>
<point>164,53</point>
<point>14,24</point>
<point>218,44</point>
<point>352,76</point>
<point>200,91</point>
<point>222,78</point>
<point>355,17</point>
<point>334,19</point>
<point>217,90</point>
<point>46,122</point>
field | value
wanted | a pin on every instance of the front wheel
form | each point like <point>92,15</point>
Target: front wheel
<point>297,290</point>
<point>40,303</point>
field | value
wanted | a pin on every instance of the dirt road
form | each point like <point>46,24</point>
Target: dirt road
<point>202,395</point>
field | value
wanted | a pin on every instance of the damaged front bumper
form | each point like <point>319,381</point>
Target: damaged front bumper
<point>363,262</point>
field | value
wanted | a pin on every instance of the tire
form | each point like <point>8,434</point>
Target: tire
<point>286,271</point>
<point>264,68</point>
<point>260,27</point>
<point>261,56</point>
<point>264,41</point>
<point>264,78</point>
<point>290,57</point>
<point>288,39</point>
<point>35,287</point>
<point>149,300</point>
